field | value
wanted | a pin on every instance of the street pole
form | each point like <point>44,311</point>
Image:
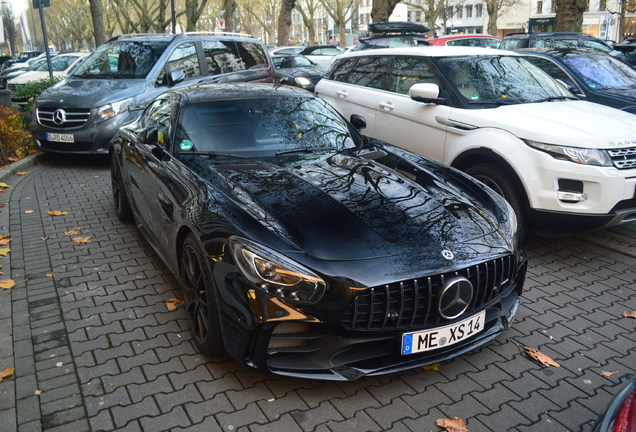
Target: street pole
<point>45,37</point>
<point>173,11</point>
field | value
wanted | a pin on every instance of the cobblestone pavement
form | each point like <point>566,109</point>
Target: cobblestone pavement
<point>87,326</point>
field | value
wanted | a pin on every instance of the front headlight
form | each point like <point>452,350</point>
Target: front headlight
<point>512,220</point>
<point>276,274</point>
<point>111,110</point>
<point>584,156</point>
<point>302,81</point>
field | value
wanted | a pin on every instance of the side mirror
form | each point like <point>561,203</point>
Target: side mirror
<point>150,135</point>
<point>426,92</point>
<point>358,121</point>
<point>175,77</point>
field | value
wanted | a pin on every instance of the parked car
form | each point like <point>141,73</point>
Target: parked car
<point>620,413</point>
<point>515,41</point>
<point>322,55</point>
<point>626,51</point>
<point>23,57</point>
<point>563,164</point>
<point>303,248</point>
<point>590,75</point>
<point>392,34</point>
<point>14,72</point>
<point>113,84</point>
<point>297,70</point>
<point>475,40</point>
<point>286,50</point>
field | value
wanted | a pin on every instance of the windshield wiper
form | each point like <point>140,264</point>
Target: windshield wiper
<point>555,98</point>
<point>211,154</point>
<point>303,149</point>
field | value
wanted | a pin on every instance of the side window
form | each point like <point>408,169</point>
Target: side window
<point>158,115</point>
<point>185,58</point>
<point>550,68</point>
<point>373,72</point>
<point>252,54</point>
<point>222,57</point>
<point>411,70</point>
<point>341,68</point>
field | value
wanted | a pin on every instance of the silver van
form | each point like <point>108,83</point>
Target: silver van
<point>110,88</point>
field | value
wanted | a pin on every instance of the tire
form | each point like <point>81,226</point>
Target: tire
<point>120,199</point>
<point>503,184</point>
<point>200,298</point>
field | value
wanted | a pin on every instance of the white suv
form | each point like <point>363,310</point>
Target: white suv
<point>563,164</point>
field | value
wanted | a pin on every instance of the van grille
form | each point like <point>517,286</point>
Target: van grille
<point>413,303</point>
<point>623,158</point>
<point>62,118</point>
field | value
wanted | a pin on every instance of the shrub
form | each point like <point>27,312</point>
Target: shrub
<point>29,91</point>
<point>15,140</point>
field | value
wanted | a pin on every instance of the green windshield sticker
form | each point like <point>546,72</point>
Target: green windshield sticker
<point>186,145</point>
<point>474,96</point>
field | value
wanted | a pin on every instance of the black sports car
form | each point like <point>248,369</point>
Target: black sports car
<point>307,250</point>
<point>297,71</point>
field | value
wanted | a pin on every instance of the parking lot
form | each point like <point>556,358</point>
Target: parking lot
<point>95,347</point>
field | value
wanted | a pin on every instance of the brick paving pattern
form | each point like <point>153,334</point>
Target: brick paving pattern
<point>87,325</point>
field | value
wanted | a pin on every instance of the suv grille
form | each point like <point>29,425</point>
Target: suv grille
<point>623,158</point>
<point>413,303</point>
<point>62,118</point>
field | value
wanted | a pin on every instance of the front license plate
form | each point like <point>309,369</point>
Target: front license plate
<point>439,337</point>
<point>60,137</point>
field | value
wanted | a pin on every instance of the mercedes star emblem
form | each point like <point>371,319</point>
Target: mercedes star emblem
<point>448,254</point>
<point>454,297</point>
<point>59,116</point>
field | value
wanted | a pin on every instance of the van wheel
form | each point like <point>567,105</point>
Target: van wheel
<point>498,180</point>
<point>120,200</point>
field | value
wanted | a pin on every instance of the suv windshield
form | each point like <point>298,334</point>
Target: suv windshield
<point>262,127</point>
<point>122,59</point>
<point>500,80</point>
<point>601,71</point>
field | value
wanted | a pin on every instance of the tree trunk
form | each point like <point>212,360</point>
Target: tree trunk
<point>285,21</point>
<point>569,15</point>
<point>229,6</point>
<point>492,8</point>
<point>342,33</point>
<point>99,30</point>
<point>382,9</point>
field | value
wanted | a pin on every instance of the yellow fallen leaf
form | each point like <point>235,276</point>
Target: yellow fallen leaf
<point>81,240</point>
<point>452,425</point>
<point>21,173</point>
<point>7,372</point>
<point>4,252</point>
<point>57,213</point>
<point>4,185</point>
<point>434,366</point>
<point>44,238</point>
<point>538,356</point>
<point>50,275</point>
<point>73,231</point>
<point>7,284</point>
<point>173,303</point>
<point>631,314</point>
<point>608,374</point>
<point>38,392</point>
<point>4,241</point>
<point>29,211</point>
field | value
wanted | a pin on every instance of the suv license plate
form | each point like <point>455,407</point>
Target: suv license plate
<point>439,337</point>
<point>68,138</point>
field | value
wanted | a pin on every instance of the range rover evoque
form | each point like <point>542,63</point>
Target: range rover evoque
<point>111,87</point>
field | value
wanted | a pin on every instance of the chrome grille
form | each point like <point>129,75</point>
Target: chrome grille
<point>623,158</point>
<point>413,303</point>
<point>73,117</point>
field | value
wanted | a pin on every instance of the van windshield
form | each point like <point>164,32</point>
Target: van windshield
<point>122,59</point>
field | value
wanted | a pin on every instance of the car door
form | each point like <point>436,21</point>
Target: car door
<point>354,86</point>
<point>415,126</point>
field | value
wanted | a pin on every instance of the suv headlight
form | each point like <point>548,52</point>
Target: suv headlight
<point>302,81</point>
<point>276,274</point>
<point>578,155</point>
<point>111,110</point>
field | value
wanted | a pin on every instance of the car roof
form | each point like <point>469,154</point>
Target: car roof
<point>169,37</point>
<point>239,90</point>
<point>464,36</point>
<point>559,52</point>
<point>430,51</point>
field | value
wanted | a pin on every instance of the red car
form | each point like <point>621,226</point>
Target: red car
<point>475,40</point>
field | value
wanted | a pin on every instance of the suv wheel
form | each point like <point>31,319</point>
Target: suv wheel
<point>498,180</point>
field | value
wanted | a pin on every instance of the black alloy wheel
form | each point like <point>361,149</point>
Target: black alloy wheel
<point>499,181</point>
<point>200,299</point>
<point>120,200</point>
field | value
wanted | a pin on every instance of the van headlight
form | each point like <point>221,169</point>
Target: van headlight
<point>276,274</point>
<point>578,155</point>
<point>302,81</point>
<point>109,111</point>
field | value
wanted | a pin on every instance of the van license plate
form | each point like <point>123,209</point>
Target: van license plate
<point>439,337</point>
<point>56,137</point>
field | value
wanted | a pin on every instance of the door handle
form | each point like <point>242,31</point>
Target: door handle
<point>388,106</point>
<point>342,93</point>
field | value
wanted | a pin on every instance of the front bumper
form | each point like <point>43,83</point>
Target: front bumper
<point>295,343</point>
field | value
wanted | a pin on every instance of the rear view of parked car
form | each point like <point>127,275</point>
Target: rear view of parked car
<point>297,71</point>
<point>111,87</point>
<point>563,164</point>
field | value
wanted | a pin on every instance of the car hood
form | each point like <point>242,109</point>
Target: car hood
<point>302,72</point>
<point>344,207</point>
<point>91,93</point>
<point>570,123</point>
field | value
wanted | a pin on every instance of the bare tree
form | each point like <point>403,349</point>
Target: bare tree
<point>285,21</point>
<point>97,14</point>
<point>494,9</point>
<point>307,9</point>
<point>432,10</point>
<point>569,15</point>
<point>339,10</point>
<point>261,12</point>
<point>193,11</point>
<point>229,6</point>
<point>10,29</point>
<point>382,9</point>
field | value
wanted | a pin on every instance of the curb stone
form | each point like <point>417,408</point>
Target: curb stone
<point>23,164</point>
